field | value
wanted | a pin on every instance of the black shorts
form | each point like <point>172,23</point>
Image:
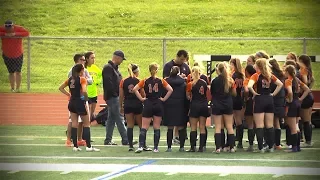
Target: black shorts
<point>199,110</point>
<point>263,104</point>
<point>218,108</point>
<point>13,64</point>
<point>249,108</point>
<point>293,109</point>
<point>92,100</point>
<point>133,110</point>
<point>152,108</point>
<point>78,107</point>
<point>237,103</point>
<point>280,112</point>
<point>307,102</point>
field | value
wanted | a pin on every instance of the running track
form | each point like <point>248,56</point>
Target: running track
<point>43,108</point>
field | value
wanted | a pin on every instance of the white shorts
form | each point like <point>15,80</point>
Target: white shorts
<point>79,118</point>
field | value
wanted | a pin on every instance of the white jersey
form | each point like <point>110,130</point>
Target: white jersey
<point>85,75</point>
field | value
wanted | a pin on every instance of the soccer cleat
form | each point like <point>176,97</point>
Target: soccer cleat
<point>12,90</point>
<point>232,150</point>
<point>131,149</point>
<point>200,150</point>
<point>294,149</point>
<point>92,149</point>
<point>308,144</point>
<point>298,149</point>
<point>226,149</point>
<point>250,148</point>
<point>181,150</point>
<point>271,150</point>
<point>76,149</point>
<point>289,147</point>
<point>262,150</point>
<point>169,150</point>
<point>239,146</point>
<point>110,143</point>
<point>217,151</point>
<point>68,143</point>
<point>278,147</point>
<point>176,140</point>
<point>146,148</point>
<point>191,150</point>
<point>155,150</point>
<point>139,150</point>
<point>82,143</point>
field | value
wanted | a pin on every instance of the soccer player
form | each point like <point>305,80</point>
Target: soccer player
<point>77,105</point>
<point>222,89</point>
<point>96,74</point>
<point>153,105</point>
<point>263,110</point>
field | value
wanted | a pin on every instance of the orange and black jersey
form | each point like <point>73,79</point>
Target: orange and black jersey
<point>153,87</point>
<point>127,85</point>
<point>304,71</point>
<point>202,76</point>
<point>295,84</point>
<point>238,81</point>
<point>198,91</point>
<point>245,84</point>
<point>75,87</point>
<point>263,84</point>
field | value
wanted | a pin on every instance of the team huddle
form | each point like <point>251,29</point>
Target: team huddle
<point>262,93</point>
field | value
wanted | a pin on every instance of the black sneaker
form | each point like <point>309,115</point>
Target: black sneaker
<point>131,149</point>
<point>191,150</point>
<point>146,148</point>
<point>110,143</point>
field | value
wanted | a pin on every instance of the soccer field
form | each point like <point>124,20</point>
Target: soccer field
<point>38,152</point>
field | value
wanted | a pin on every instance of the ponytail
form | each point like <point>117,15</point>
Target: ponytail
<point>264,68</point>
<point>195,74</point>
<point>130,70</point>
<point>222,69</point>
<point>153,68</point>
<point>76,70</point>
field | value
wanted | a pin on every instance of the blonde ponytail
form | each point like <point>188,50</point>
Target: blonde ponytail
<point>223,70</point>
<point>264,68</point>
<point>130,70</point>
<point>195,74</point>
<point>153,68</point>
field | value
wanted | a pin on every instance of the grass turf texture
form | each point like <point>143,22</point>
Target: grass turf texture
<point>51,59</point>
<point>52,135</point>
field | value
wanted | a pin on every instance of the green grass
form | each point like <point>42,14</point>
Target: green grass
<point>25,136</point>
<point>51,59</point>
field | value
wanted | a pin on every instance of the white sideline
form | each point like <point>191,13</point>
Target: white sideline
<point>153,158</point>
<point>224,170</point>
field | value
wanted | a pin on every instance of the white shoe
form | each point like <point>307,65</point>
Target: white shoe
<point>76,149</point>
<point>92,149</point>
<point>139,150</point>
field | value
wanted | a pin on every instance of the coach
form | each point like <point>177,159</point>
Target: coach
<point>111,80</point>
<point>12,52</point>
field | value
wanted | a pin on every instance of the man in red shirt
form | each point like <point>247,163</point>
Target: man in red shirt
<point>12,51</point>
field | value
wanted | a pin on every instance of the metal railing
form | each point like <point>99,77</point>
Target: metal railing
<point>41,48</point>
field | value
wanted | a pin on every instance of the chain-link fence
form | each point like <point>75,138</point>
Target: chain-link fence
<point>51,58</point>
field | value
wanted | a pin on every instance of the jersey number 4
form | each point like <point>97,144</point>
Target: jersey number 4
<point>155,88</point>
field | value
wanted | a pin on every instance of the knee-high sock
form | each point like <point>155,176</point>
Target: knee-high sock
<point>251,136</point>
<point>223,138</point>
<point>74,134</point>
<point>87,136</point>
<point>182,137</point>
<point>260,133</point>
<point>307,131</point>
<point>231,140</point>
<point>217,139</point>
<point>240,133</point>
<point>193,139</point>
<point>288,135</point>
<point>170,137</point>
<point>130,136</point>
<point>142,137</point>
<point>202,140</point>
<point>206,137</point>
<point>156,138</point>
<point>270,141</point>
<point>277,136</point>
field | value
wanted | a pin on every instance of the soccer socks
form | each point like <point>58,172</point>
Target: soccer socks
<point>182,137</point>
<point>223,138</point>
<point>288,135</point>
<point>130,136</point>
<point>301,127</point>
<point>193,139</point>
<point>170,137</point>
<point>251,136</point>
<point>87,136</point>
<point>142,137</point>
<point>270,139</point>
<point>307,131</point>
<point>260,133</point>
<point>156,138</point>
<point>231,140</point>
<point>294,140</point>
<point>206,137</point>
<point>240,134</point>
<point>298,142</point>
<point>217,139</point>
<point>277,136</point>
<point>74,134</point>
<point>202,141</point>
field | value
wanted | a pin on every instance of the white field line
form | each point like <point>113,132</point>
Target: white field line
<point>153,158</point>
<point>160,168</point>
<point>101,145</point>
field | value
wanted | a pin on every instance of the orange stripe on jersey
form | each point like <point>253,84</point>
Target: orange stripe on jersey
<point>288,82</point>
<point>164,83</point>
<point>303,71</point>
<point>141,83</point>
<point>273,78</point>
<point>121,83</point>
<point>83,81</point>
<point>189,87</point>
<point>255,77</point>
<point>189,78</point>
<point>246,82</point>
